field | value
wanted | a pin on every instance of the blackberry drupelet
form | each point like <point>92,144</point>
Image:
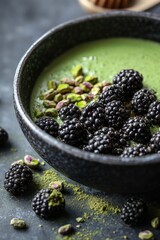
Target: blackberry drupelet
<point>134,212</point>
<point>113,92</point>
<point>136,151</point>
<point>73,132</point>
<point>49,125</point>
<point>141,101</point>
<point>3,137</point>
<point>155,143</point>
<point>130,81</point>
<point>137,129</point>
<point>48,203</point>
<point>69,112</point>
<point>154,113</point>
<point>93,117</point>
<point>17,179</point>
<point>115,114</point>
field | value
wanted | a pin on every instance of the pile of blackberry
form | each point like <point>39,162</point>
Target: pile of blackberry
<point>119,122</point>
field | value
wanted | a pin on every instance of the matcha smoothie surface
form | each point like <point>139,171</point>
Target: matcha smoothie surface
<point>104,58</point>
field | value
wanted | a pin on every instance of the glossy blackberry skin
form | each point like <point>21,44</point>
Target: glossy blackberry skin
<point>155,143</point>
<point>141,101</point>
<point>154,113</point>
<point>113,92</point>
<point>49,125</point>
<point>115,114</point>
<point>17,179</point>
<point>3,137</point>
<point>137,129</point>
<point>73,132</point>
<point>134,212</point>
<point>130,81</point>
<point>69,112</point>
<point>93,117</point>
<point>41,206</point>
<point>136,151</point>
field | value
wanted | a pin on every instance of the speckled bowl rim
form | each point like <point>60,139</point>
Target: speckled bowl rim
<point>99,158</point>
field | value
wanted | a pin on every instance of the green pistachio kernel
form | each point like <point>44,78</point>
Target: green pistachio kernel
<point>18,223</point>
<point>52,84</point>
<point>66,229</point>
<point>58,97</point>
<point>91,79</point>
<point>80,220</point>
<point>79,80</point>
<point>58,185</point>
<point>64,88</point>
<point>155,222</point>
<point>74,97</point>
<point>86,86</point>
<point>95,91</point>
<point>77,71</point>
<point>77,90</point>
<point>49,104</point>
<point>62,103</point>
<point>31,162</point>
<point>55,199</point>
<point>49,95</point>
<point>69,81</point>
<point>81,104</point>
<point>145,235</point>
<point>51,112</point>
<point>20,161</point>
<point>38,112</point>
<point>99,85</point>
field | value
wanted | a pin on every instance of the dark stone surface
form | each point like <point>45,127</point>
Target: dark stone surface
<point>21,23</point>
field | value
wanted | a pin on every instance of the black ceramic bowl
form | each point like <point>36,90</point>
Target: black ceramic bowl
<point>104,172</point>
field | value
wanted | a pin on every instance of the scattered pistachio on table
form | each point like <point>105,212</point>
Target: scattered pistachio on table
<point>146,235</point>
<point>155,223</point>
<point>66,229</point>
<point>31,162</point>
<point>58,185</point>
<point>18,223</point>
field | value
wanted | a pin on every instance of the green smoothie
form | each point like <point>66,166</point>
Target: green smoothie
<point>104,58</point>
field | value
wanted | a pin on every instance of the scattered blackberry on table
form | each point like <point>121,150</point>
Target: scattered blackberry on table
<point>73,132</point>
<point>134,212</point>
<point>17,179</point>
<point>137,129</point>
<point>136,151</point>
<point>141,101</point>
<point>48,203</point>
<point>115,114</point>
<point>3,137</point>
<point>93,117</point>
<point>155,142</point>
<point>49,125</point>
<point>130,81</point>
<point>154,113</point>
<point>69,112</point>
<point>113,92</point>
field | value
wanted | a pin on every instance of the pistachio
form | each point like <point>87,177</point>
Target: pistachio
<point>77,71</point>
<point>99,85</point>
<point>105,83</point>
<point>81,104</point>
<point>38,112</point>
<point>64,88</point>
<point>79,80</point>
<point>77,90</point>
<point>58,185</point>
<point>18,223</point>
<point>31,162</point>
<point>58,97</point>
<point>49,95</point>
<point>86,86</point>
<point>20,161</point>
<point>52,112</point>
<point>146,235</point>
<point>69,81</point>
<point>87,97</point>
<point>92,79</point>
<point>155,222</point>
<point>49,104</point>
<point>66,229</point>
<point>80,220</point>
<point>62,104</point>
<point>95,91</point>
<point>74,97</point>
<point>52,84</point>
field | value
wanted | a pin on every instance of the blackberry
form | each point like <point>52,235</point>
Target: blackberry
<point>141,101</point>
<point>115,114</point>
<point>48,203</point>
<point>93,116</point>
<point>3,137</point>
<point>137,129</point>
<point>69,112</point>
<point>73,132</point>
<point>136,151</point>
<point>130,81</point>
<point>134,212</point>
<point>100,144</point>
<point>113,92</point>
<point>155,142</point>
<point>49,125</point>
<point>17,179</point>
<point>154,113</point>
